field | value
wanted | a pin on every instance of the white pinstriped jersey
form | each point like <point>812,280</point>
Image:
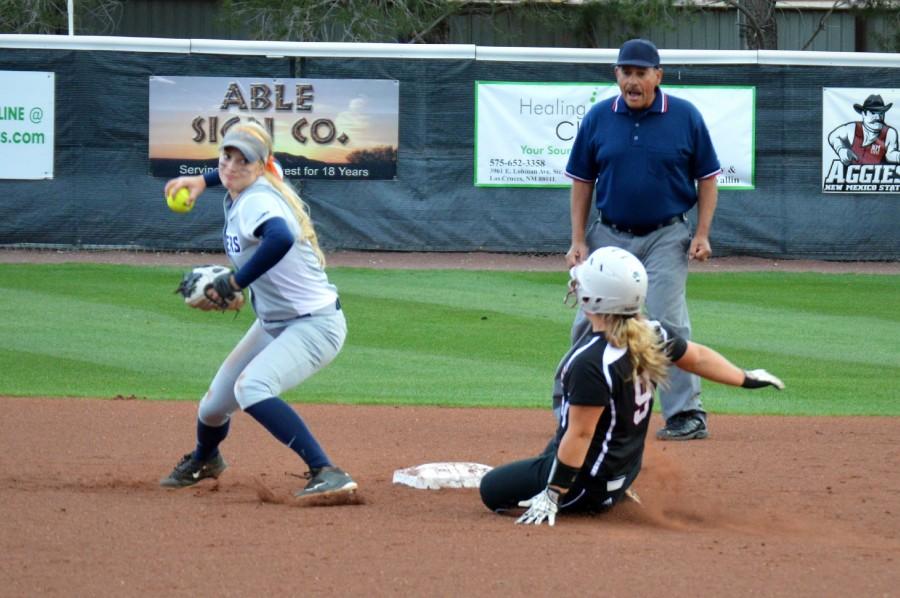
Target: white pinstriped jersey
<point>596,373</point>
<point>297,284</point>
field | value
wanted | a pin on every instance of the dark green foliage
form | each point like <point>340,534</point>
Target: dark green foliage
<point>594,20</point>
<point>425,21</point>
<point>52,16</point>
<point>414,21</point>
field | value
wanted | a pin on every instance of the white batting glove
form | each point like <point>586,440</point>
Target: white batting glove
<point>761,378</point>
<point>543,506</point>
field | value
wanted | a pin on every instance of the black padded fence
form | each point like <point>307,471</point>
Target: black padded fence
<point>102,195</point>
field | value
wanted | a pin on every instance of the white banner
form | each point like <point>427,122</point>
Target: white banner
<point>860,152</point>
<point>524,131</point>
<point>26,125</point>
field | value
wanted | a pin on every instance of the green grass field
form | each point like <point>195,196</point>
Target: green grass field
<point>445,337</point>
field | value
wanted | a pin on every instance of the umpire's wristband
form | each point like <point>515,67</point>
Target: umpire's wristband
<point>562,476</point>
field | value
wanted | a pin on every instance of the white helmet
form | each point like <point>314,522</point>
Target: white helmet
<point>609,281</point>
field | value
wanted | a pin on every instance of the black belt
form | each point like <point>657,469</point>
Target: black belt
<point>641,231</point>
<point>328,309</point>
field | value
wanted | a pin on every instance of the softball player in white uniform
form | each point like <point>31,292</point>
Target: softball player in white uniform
<point>299,329</point>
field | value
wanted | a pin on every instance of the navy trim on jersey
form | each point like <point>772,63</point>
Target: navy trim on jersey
<point>277,240</point>
<point>212,178</point>
<point>652,158</point>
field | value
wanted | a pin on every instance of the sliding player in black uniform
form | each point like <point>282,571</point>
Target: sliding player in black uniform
<point>608,383</point>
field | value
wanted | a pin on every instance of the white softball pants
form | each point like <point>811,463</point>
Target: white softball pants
<point>270,360</point>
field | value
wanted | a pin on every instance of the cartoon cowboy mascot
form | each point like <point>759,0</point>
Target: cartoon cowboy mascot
<point>868,141</point>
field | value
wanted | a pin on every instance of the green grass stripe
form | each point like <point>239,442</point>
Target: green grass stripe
<point>445,337</point>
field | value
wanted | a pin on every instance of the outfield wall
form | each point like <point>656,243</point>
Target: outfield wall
<point>101,195</point>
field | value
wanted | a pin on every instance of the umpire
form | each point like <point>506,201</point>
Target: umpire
<point>650,159</point>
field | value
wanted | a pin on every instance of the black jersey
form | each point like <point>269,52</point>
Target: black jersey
<point>595,373</point>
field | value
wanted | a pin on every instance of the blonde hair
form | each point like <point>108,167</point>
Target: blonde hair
<point>287,192</point>
<point>645,348</point>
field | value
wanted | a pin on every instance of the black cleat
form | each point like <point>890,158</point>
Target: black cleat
<point>684,426</point>
<point>327,481</point>
<point>189,471</point>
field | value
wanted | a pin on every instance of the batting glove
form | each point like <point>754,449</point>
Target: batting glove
<point>761,378</point>
<point>543,506</point>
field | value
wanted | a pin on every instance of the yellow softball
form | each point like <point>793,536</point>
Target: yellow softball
<point>180,201</point>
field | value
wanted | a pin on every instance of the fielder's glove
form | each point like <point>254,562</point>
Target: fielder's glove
<point>543,506</point>
<point>196,285</point>
<point>761,378</point>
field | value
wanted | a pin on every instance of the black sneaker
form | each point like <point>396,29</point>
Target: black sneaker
<point>327,481</point>
<point>189,471</point>
<point>684,426</point>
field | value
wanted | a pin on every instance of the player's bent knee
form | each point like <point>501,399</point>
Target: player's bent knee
<point>248,392</point>
<point>210,416</point>
<point>492,493</point>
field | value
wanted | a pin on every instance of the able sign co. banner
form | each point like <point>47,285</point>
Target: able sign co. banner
<point>524,131</point>
<point>333,129</point>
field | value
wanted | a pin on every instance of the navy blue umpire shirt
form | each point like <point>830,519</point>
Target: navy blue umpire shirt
<point>644,163</point>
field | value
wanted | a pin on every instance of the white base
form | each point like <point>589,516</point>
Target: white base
<point>433,476</point>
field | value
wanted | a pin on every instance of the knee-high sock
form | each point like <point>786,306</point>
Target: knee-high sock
<point>283,423</point>
<point>208,440</point>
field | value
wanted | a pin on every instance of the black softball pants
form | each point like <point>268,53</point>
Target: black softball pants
<point>503,487</point>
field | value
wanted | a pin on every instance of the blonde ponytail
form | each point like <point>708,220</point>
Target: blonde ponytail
<point>301,213</point>
<point>645,348</point>
<point>297,205</point>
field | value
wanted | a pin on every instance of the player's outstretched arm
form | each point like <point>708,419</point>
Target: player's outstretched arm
<point>712,365</point>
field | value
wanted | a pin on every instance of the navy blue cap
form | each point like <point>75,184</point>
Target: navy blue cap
<point>638,52</point>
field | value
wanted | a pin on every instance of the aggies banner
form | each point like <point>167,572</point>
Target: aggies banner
<point>860,152</point>
<point>336,129</point>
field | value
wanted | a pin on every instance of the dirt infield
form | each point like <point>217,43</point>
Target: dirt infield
<point>766,506</point>
<point>773,506</point>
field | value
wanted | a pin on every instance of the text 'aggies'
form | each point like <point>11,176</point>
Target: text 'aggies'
<point>863,173</point>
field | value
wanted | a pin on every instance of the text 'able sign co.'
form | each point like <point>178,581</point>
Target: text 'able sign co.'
<point>327,129</point>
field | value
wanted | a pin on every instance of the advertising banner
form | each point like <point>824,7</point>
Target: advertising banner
<point>860,152</point>
<point>26,124</point>
<point>524,131</point>
<point>333,129</point>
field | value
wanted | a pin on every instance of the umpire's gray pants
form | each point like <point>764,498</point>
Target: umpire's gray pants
<point>664,254</point>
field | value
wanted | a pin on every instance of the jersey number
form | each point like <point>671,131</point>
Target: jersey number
<point>643,393</point>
